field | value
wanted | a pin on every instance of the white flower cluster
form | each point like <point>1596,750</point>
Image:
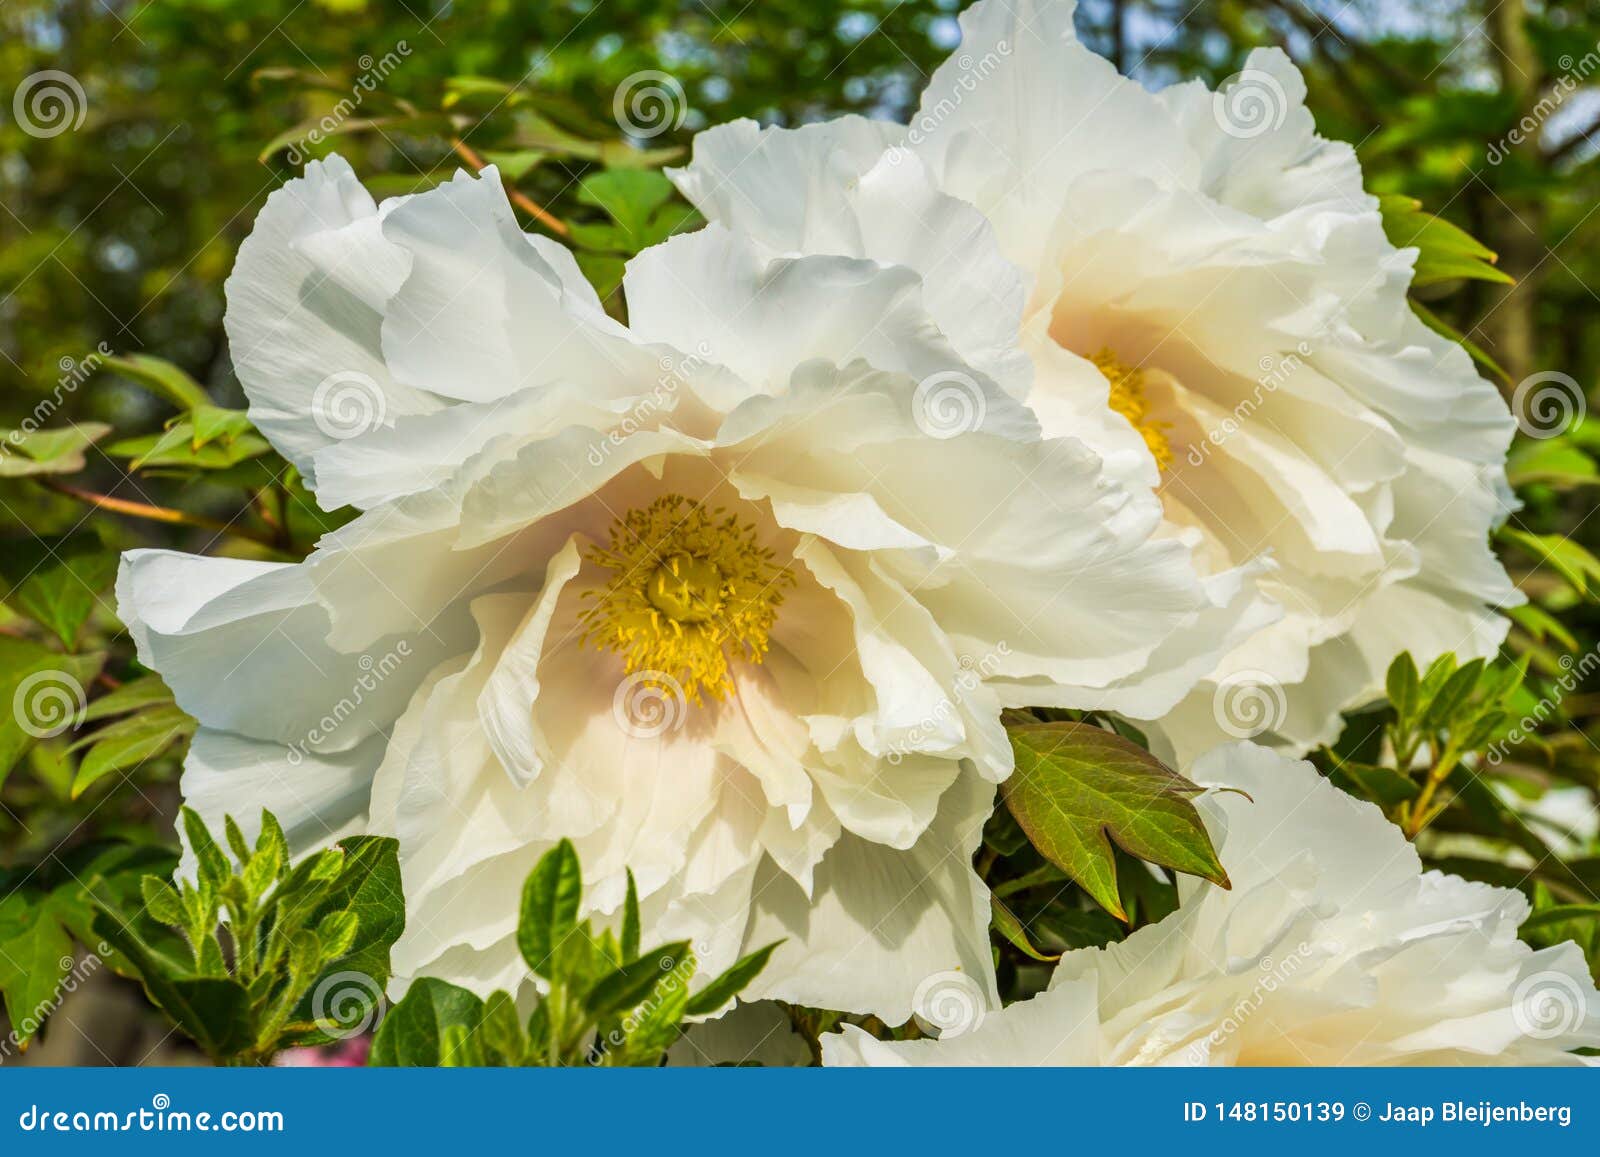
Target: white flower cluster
<point>956,419</point>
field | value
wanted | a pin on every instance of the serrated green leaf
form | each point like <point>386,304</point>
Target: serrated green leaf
<point>1077,788</point>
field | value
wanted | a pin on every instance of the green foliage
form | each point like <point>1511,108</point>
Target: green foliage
<point>1077,788</point>
<point>603,1002</point>
<point>255,954</point>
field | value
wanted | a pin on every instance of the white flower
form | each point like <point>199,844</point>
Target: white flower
<point>1214,307</point>
<point>1333,947</point>
<point>732,598</point>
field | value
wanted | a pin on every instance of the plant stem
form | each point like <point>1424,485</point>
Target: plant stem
<point>156,513</point>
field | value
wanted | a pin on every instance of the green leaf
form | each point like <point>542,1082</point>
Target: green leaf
<point>549,913</point>
<point>631,983</point>
<point>1384,786</point>
<point>210,423</point>
<point>630,923</point>
<point>1077,788</point>
<point>161,900</point>
<point>130,742</point>
<point>1451,698</point>
<point>414,1031</point>
<point>1006,923</point>
<point>732,982</point>
<point>43,694</point>
<point>1403,686</point>
<point>1575,564</point>
<point>56,582</point>
<point>1559,914</point>
<point>1445,252</point>
<point>145,691</point>
<point>179,447</point>
<point>502,1029</point>
<point>161,378</point>
<point>36,954</point>
<point>24,453</point>
<point>214,867</point>
<point>213,1011</point>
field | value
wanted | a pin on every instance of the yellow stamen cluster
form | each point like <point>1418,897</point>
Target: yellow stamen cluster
<point>1128,399</point>
<point>687,585</point>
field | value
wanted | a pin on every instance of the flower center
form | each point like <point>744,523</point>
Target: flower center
<point>1128,399</point>
<point>688,588</point>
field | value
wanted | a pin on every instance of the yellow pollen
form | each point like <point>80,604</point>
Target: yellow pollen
<point>1128,399</point>
<point>689,589</point>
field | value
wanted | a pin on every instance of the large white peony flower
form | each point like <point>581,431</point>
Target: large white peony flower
<point>1333,947</point>
<point>1215,308</point>
<point>733,597</point>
